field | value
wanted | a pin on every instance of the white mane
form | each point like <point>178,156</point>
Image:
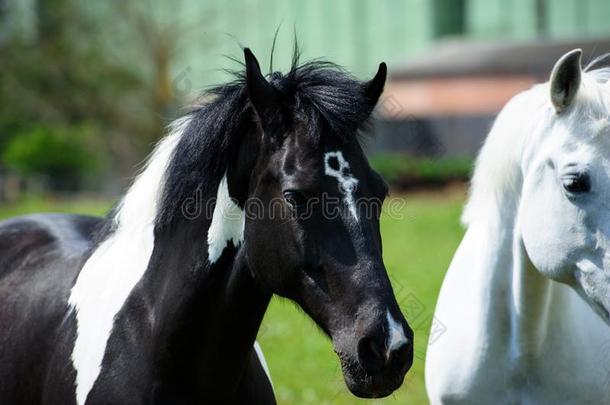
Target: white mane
<point>117,264</point>
<point>496,183</point>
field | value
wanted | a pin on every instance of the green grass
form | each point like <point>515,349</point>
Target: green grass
<point>419,241</point>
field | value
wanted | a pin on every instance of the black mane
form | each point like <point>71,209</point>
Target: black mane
<point>324,94</point>
<point>318,93</point>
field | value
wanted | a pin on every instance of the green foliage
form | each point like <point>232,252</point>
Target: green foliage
<point>403,170</point>
<point>60,154</point>
<point>60,81</point>
<point>36,204</point>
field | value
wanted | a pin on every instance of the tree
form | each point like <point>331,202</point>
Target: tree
<point>103,66</point>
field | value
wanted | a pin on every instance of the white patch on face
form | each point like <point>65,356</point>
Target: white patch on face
<point>116,266</point>
<point>396,336</point>
<point>347,182</point>
<point>228,223</point>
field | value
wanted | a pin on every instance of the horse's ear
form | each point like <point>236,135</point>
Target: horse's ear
<point>374,87</point>
<point>565,80</point>
<point>262,95</point>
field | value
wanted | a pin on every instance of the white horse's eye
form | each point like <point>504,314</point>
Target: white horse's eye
<point>577,183</point>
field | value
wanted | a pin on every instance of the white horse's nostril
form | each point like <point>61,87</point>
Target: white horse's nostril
<point>396,336</point>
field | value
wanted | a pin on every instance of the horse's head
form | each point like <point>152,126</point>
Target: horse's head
<point>565,204</point>
<point>312,217</point>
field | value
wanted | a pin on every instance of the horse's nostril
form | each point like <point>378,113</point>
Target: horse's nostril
<point>402,356</point>
<point>371,354</point>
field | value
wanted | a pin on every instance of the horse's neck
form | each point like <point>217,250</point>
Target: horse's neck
<point>235,308</point>
<point>210,320</point>
<point>485,258</point>
<point>532,296</point>
<point>218,306</point>
<point>517,314</point>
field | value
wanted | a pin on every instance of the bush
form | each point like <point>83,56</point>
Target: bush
<point>405,171</point>
<point>59,155</point>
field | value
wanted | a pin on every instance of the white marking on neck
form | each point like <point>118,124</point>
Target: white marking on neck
<point>228,223</point>
<point>347,182</point>
<point>396,336</point>
<point>261,358</point>
<point>116,266</point>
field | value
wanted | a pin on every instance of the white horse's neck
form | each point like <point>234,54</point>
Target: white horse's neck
<point>511,334</point>
<point>520,295</point>
<point>532,298</point>
<point>499,319</point>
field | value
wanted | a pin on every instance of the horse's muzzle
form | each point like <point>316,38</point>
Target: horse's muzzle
<point>374,370</point>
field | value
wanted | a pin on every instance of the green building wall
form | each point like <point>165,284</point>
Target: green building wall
<point>527,19</point>
<point>357,34</point>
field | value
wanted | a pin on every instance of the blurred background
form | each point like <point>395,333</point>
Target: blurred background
<point>86,88</point>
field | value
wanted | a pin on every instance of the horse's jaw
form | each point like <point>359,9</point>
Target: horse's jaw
<point>587,285</point>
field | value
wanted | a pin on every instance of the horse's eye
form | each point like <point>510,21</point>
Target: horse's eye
<point>295,198</point>
<point>577,183</point>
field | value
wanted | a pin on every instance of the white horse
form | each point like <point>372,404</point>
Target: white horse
<point>526,299</point>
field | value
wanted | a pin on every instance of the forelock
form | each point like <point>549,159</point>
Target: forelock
<point>325,98</point>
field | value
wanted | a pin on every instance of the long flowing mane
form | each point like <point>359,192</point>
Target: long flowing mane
<point>496,182</point>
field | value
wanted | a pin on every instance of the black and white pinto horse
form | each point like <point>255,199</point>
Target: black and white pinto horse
<point>161,302</point>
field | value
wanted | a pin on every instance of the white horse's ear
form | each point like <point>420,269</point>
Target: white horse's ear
<point>565,80</point>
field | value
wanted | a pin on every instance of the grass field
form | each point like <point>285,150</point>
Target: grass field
<point>419,241</point>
